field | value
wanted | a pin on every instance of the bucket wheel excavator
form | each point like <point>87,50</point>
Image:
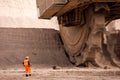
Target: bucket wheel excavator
<point>83,28</point>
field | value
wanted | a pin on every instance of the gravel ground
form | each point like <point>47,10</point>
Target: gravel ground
<point>62,74</point>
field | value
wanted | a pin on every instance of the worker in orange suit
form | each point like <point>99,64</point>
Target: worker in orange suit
<point>27,66</point>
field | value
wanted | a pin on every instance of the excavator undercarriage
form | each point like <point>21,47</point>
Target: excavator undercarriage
<point>83,30</point>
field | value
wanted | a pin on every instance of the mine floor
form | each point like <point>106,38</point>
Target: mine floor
<point>62,74</point>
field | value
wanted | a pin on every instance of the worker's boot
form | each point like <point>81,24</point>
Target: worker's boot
<point>29,74</point>
<point>26,75</point>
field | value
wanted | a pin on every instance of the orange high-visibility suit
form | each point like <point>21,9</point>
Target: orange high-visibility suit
<point>27,65</point>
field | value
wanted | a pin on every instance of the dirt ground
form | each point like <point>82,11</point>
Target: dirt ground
<point>61,74</point>
<point>45,50</point>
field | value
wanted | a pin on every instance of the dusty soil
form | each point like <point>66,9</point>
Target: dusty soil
<point>43,46</point>
<point>62,74</point>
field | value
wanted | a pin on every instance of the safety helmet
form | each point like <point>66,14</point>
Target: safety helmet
<point>27,57</point>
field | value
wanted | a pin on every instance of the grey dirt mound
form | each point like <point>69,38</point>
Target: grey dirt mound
<point>42,45</point>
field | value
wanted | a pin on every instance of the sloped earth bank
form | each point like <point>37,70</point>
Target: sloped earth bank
<point>42,45</point>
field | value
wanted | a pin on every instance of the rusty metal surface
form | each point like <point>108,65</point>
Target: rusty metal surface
<point>48,8</point>
<point>62,6</point>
